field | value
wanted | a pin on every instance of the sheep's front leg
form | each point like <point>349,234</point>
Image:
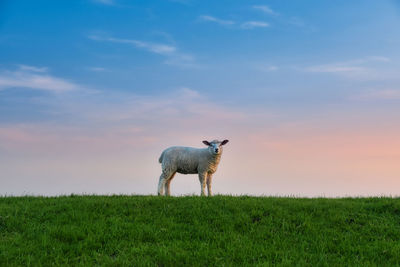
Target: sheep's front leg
<point>209,179</point>
<point>203,180</point>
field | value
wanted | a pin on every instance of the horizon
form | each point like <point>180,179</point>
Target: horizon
<point>308,94</point>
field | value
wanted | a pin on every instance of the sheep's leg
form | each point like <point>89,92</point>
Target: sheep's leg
<point>167,184</point>
<point>161,183</point>
<point>203,180</point>
<point>209,179</point>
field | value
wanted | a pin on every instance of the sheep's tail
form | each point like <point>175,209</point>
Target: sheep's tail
<point>161,157</point>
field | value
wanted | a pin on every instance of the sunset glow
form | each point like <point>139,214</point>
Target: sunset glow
<point>308,94</point>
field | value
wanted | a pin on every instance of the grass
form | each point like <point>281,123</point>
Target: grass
<point>195,231</point>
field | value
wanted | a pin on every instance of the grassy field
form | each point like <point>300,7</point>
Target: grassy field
<point>195,231</point>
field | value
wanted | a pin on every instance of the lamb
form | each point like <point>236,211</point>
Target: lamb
<point>189,160</point>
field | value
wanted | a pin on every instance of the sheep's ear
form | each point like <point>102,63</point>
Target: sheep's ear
<point>206,143</point>
<point>224,142</point>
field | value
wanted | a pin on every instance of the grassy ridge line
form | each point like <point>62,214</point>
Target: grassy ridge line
<point>195,231</point>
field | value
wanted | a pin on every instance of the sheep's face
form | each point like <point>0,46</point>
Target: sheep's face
<point>215,147</point>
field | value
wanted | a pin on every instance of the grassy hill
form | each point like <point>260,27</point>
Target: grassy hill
<point>195,231</point>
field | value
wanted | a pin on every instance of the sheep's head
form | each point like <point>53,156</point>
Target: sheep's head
<point>215,146</point>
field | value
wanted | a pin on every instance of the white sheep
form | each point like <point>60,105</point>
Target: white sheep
<point>189,160</point>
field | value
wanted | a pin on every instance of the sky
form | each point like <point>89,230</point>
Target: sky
<point>307,92</point>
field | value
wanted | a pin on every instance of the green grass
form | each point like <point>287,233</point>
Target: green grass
<point>195,231</point>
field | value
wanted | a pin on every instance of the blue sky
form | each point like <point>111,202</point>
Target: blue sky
<point>76,75</point>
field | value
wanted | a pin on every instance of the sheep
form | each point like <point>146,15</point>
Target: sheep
<point>189,160</point>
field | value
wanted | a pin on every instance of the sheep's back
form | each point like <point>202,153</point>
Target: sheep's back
<point>182,159</point>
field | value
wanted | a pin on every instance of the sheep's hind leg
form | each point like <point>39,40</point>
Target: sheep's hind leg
<point>161,183</point>
<point>167,184</point>
<point>203,180</point>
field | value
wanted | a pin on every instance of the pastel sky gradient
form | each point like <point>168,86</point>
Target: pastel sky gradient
<point>307,92</point>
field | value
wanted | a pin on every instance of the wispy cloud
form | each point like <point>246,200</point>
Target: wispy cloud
<point>245,25</point>
<point>34,78</point>
<point>254,24</point>
<point>157,48</point>
<point>248,25</point>
<point>174,57</point>
<point>357,68</point>
<point>355,65</point>
<point>265,9</point>
<point>268,68</point>
<point>32,68</point>
<point>335,68</point>
<point>283,19</point>
<point>216,20</point>
<point>375,58</point>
